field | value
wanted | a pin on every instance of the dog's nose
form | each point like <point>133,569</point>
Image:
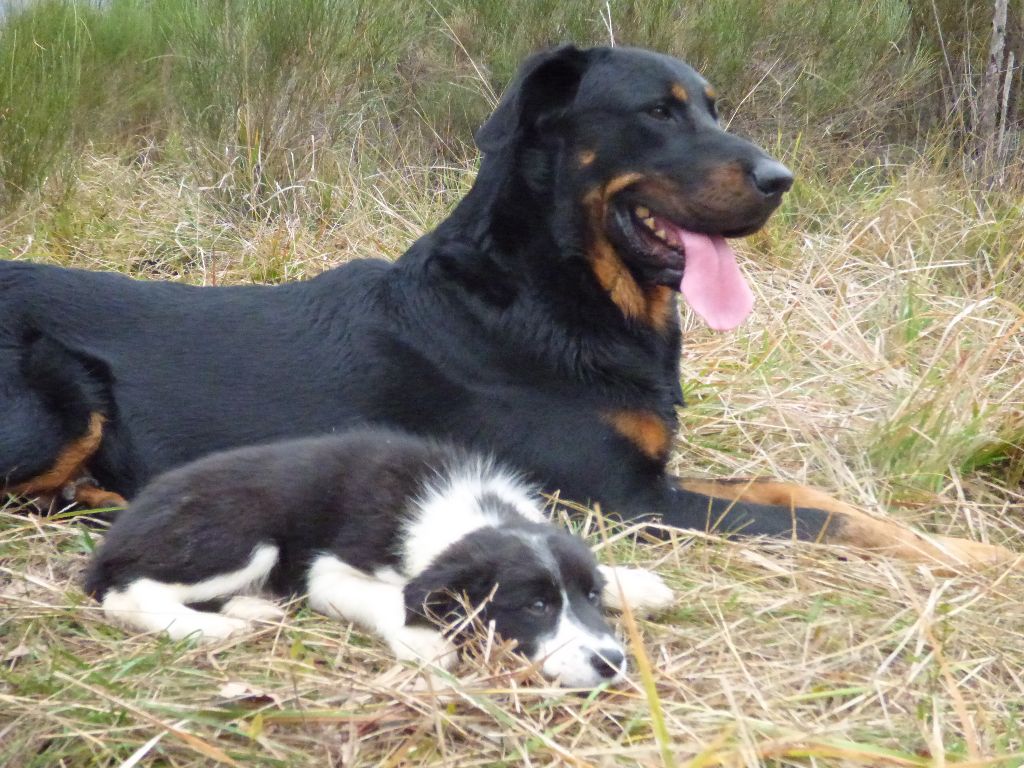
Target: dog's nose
<point>771,177</point>
<point>608,663</point>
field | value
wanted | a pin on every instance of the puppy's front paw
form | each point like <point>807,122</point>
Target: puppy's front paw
<point>643,591</point>
<point>423,644</point>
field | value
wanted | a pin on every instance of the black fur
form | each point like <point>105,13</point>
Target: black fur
<point>492,331</point>
<point>337,494</point>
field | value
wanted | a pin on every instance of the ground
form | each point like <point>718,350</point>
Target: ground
<point>884,362</point>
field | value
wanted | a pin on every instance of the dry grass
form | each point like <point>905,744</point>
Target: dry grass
<point>885,362</point>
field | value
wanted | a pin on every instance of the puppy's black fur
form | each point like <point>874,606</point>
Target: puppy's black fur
<point>303,496</point>
<point>538,321</point>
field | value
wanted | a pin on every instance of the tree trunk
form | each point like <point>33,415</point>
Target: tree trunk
<point>987,129</point>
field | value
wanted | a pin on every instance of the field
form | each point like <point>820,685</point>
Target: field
<point>884,362</point>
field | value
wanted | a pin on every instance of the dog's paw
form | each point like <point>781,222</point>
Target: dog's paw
<point>206,627</point>
<point>154,612</point>
<point>974,554</point>
<point>250,608</point>
<point>643,591</point>
<point>423,645</point>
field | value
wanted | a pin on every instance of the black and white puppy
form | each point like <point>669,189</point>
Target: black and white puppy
<point>379,528</point>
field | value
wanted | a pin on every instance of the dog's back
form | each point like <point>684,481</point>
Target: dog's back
<point>300,496</point>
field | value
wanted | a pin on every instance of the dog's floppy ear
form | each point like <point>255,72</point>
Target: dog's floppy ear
<point>435,593</point>
<point>545,84</point>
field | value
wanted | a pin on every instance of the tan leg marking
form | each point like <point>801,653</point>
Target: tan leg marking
<point>644,429</point>
<point>69,467</point>
<point>850,526</point>
<point>70,462</point>
<point>94,497</point>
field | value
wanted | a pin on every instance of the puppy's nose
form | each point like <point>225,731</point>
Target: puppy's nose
<point>608,663</point>
<point>771,177</point>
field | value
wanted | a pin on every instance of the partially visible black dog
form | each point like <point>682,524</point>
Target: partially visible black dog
<point>538,321</point>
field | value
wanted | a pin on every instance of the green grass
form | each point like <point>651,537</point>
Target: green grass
<point>262,142</point>
<point>257,94</point>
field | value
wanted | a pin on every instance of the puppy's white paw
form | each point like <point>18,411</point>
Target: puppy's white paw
<point>423,644</point>
<point>643,591</point>
<point>250,608</point>
<point>208,627</point>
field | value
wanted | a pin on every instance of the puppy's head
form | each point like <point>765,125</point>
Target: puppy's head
<point>539,585</point>
<point>624,155</point>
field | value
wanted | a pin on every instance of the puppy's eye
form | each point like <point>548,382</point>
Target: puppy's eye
<point>594,596</point>
<point>539,607</point>
<point>659,112</point>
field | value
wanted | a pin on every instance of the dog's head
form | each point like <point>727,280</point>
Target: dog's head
<point>624,148</point>
<point>539,585</point>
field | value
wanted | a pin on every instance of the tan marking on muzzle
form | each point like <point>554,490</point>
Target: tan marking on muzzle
<point>729,179</point>
<point>725,192</point>
<point>725,198</point>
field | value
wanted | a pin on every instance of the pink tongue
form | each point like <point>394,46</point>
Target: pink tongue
<point>713,285</point>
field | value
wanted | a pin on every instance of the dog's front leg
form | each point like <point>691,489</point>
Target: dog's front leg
<point>376,603</point>
<point>791,511</point>
<point>642,590</point>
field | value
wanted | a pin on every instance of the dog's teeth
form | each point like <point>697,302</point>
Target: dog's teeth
<point>643,212</point>
<point>649,222</point>
<point>660,234</point>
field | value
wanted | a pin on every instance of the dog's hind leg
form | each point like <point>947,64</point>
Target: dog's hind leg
<point>377,604</point>
<point>55,405</point>
<point>155,607</point>
<point>159,606</point>
<point>32,437</point>
<point>252,608</point>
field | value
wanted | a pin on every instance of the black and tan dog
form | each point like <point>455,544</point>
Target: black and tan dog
<point>537,322</point>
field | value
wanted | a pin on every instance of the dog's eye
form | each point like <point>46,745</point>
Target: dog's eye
<point>594,597</point>
<point>539,607</point>
<point>659,112</point>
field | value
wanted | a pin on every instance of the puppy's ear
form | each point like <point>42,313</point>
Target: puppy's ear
<point>544,85</point>
<point>435,594</point>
